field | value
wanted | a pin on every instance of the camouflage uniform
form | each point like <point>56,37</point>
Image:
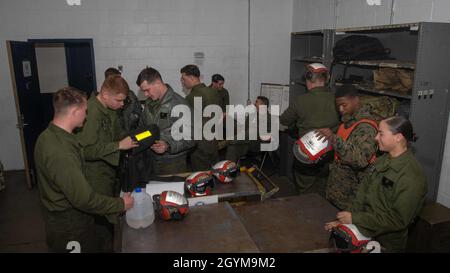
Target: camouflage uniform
<point>206,152</point>
<point>354,157</point>
<point>313,110</point>
<point>130,114</point>
<point>67,198</point>
<point>158,112</point>
<point>389,199</point>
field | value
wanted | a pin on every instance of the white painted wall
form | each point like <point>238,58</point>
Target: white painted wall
<point>355,13</point>
<point>159,33</point>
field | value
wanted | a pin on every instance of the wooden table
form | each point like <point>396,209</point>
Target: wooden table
<point>211,228</point>
<point>292,224</point>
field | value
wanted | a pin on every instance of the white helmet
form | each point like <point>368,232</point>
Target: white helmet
<point>225,171</point>
<point>309,149</point>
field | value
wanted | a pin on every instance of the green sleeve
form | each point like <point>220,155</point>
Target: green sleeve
<point>226,99</point>
<point>93,148</point>
<point>407,199</point>
<point>358,202</point>
<point>66,171</point>
<point>290,116</point>
<point>190,100</point>
<point>357,152</point>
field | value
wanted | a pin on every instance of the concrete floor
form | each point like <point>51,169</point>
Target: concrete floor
<point>21,223</point>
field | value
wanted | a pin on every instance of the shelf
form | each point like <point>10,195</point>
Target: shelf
<point>370,89</point>
<point>312,59</point>
<point>410,26</point>
<point>383,63</point>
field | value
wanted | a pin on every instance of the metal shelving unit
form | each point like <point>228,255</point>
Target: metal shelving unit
<point>421,47</point>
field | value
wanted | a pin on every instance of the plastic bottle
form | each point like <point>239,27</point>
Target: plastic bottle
<point>142,214</point>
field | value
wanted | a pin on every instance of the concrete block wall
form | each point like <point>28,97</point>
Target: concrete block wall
<point>317,14</point>
<point>164,34</point>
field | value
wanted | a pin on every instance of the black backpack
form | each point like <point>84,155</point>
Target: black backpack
<point>360,47</point>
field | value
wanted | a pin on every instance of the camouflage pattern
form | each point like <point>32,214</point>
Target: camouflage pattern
<point>159,113</point>
<point>206,152</point>
<point>313,110</point>
<point>131,112</point>
<point>68,199</point>
<point>389,199</point>
<point>2,177</point>
<point>354,155</point>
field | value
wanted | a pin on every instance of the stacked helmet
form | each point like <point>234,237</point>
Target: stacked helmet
<point>225,171</point>
<point>347,238</point>
<point>309,149</point>
<point>315,69</point>
<point>200,183</point>
<point>171,205</point>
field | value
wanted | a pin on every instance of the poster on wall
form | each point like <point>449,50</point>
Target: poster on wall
<point>278,94</point>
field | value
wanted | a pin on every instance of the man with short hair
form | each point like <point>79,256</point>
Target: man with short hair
<point>102,139</point>
<point>67,197</point>
<point>167,156</point>
<point>310,111</point>
<point>354,146</point>
<point>130,113</point>
<point>206,152</point>
<point>217,82</point>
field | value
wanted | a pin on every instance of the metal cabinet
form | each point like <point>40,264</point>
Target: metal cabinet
<point>423,48</point>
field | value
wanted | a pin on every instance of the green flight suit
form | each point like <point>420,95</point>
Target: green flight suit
<point>206,152</point>
<point>389,199</point>
<point>100,136</point>
<point>224,97</point>
<point>159,112</point>
<point>67,198</point>
<point>347,172</point>
<point>313,110</point>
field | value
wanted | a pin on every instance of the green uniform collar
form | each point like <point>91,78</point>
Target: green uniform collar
<point>105,110</point>
<point>318,89</point>
<point>362,113</point>
<point>198,86</point>
<point>387,162</point>
<point>71,138</point>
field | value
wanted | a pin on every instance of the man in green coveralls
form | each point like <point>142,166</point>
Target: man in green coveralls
<point>206,152</point>
<point>313,110</point>
<point>167,156</point>
<point>101,139</point>
<point>68,199</point>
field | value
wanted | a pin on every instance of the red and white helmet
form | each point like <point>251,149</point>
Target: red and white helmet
<point>200,183</point>
<point>309,149</point>
<point>171,205</point>
<point>347,238</point>
<point>225,171</point>
<point>317,68</point>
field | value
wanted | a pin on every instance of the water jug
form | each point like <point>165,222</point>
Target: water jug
<point>141,215</point>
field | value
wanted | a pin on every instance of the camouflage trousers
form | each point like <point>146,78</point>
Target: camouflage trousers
<point>342,186</point>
